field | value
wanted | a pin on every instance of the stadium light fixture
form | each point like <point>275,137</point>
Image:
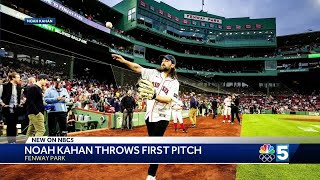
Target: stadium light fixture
<point>37,56</point>
<point>2,48</point>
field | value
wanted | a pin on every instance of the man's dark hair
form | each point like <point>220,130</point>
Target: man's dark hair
<point>173,73</point>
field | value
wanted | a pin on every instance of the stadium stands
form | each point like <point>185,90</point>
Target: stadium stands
<point>227,63</point>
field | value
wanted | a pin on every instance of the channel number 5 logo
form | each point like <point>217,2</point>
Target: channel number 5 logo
<point>283,153</point>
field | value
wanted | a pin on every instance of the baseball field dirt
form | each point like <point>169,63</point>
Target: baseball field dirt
<point>206,126</point>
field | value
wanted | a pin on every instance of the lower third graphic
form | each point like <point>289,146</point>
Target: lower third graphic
<point>267,153</point>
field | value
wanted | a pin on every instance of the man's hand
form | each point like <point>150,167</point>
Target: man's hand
<point>4,105</point>
<point>118,58</point>
<point>61,98</point>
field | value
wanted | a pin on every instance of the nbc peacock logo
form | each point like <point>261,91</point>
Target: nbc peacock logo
<point>267,153</point>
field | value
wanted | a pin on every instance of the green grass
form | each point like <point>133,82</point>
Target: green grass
<point>272,125</point>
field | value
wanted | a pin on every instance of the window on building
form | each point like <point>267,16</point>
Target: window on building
<point>132,14</point>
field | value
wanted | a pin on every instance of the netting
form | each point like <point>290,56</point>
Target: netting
<point>124,77</point>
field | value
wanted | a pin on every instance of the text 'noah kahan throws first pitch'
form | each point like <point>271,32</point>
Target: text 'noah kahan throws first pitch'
<point>160,87</point>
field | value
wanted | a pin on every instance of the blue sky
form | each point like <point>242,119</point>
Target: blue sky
<point>293,16</point>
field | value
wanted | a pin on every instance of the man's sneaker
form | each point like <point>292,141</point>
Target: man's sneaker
<point>184,131</point>
<point>223,121</point>
<point>232,123</point>
<point>229,121</point>
<point>149,177</point>
<point>175,130</point>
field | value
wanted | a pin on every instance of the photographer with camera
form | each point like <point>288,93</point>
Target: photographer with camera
<point>57,97</point>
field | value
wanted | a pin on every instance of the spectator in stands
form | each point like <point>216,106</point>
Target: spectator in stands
<point>101,105</point>
<point>116,105</point>
<point>35,107</point>
<point>10,100</point>
<point>71,121</point>
<point>57,96</point>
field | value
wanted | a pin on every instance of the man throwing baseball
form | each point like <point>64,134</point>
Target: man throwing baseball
<point>160,87</point>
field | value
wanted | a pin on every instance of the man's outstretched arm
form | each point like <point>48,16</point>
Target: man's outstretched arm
<point>133,66</point>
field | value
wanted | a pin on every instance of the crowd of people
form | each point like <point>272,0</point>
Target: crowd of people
<point>218,66</point>
<point>94,95</point>
<point>96,17</point>
<point>98,96</point>
<point>299,49</point>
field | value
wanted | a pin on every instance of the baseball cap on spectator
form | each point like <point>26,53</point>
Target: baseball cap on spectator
<point>43,76</point>
<point>169,57</point>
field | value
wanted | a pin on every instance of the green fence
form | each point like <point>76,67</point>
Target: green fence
<point>110,120</point>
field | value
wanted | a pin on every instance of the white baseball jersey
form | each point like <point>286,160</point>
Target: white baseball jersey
<point>169,87</point>
<point>176,105</point>
<point>227,102</point>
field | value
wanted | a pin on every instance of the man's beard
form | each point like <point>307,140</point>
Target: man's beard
<point>163,69</point>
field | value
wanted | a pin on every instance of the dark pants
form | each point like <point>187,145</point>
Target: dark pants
<point>235,111</point>
<point>214,113</point>
<point>155,129</point>
<point>11,121</point>
<point>53,119</point>
<point>128,123</point>
<point>71,127</point>
<point>206,111</point>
